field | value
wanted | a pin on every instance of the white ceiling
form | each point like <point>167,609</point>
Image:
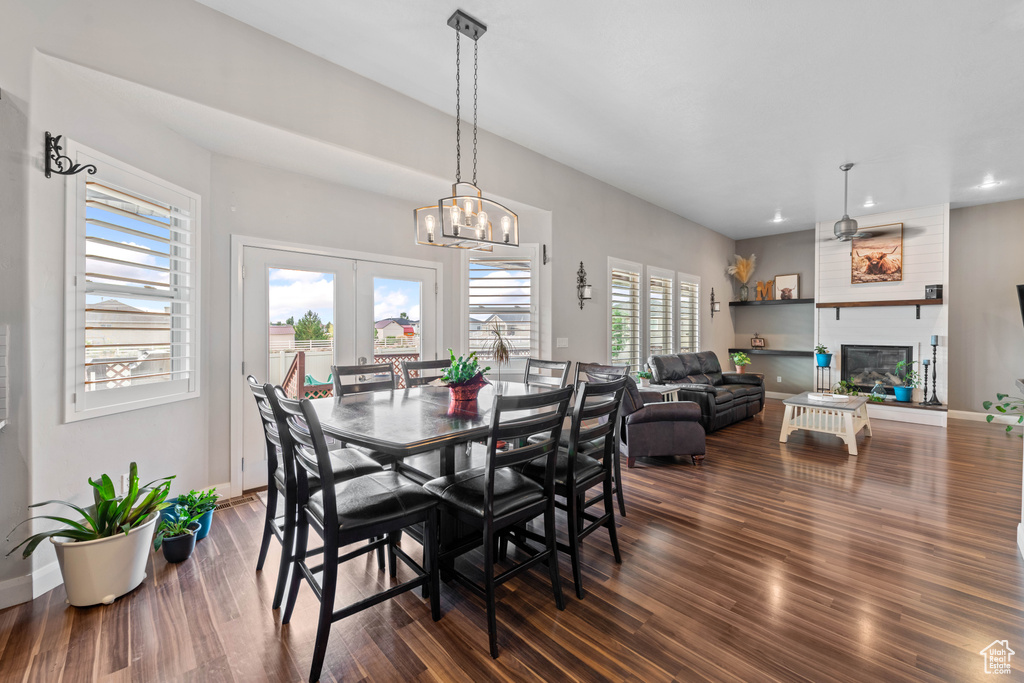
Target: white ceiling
<point>723,112</point>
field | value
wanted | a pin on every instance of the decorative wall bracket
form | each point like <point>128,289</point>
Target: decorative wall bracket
<point>584,291</point>
<point>59,163</point>
<point>716,306</point>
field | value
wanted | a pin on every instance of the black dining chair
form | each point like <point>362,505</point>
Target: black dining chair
<point>552,373</point>
<point>373,507</point>
<point>419,366</point>
<point>493,498</point>
<point>595,420</point>
<point>281,481</point>
<point>357,379</point>
<point>598,372</point>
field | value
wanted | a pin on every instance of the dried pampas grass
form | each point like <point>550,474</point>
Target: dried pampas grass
<point>742,268</point>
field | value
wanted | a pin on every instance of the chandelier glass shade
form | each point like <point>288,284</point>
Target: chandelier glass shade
<point>466,219</point>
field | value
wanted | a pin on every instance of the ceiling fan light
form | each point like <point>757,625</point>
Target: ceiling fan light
<point>845,229</point>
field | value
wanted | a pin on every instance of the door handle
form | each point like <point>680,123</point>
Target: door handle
<point>361,360</point>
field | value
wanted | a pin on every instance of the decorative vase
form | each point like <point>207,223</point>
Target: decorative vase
<point>878,391</point>
<point>463,408</point>
<point>744,292</point>
<point>467,391</point>
<point>179,548</point>
<point>904,394</point>
<point>103,570</point>
<point>645,381</point>
<point>823,359</point>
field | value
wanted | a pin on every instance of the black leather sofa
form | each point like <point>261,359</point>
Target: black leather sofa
<point>723,397</point>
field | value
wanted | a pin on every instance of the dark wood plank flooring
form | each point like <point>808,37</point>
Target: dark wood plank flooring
<point>769,562</point>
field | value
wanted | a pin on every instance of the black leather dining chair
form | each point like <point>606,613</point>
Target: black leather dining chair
<point>598,372</point>
<point>493,498</point>
<point>552,373</point>
<point>373,507</point>
<point>357,379</point>
<point>419,366</point>
<point>281,481</point>
<point>594,421</point>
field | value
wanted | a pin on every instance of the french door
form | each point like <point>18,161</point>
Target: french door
<point>303,313</point>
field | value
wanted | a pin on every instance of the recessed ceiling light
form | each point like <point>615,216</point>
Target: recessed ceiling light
<point>778,217</point>
<point>868,203</point>
<point>989,183</point>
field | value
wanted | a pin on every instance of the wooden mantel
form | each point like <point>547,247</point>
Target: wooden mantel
<point>864,304</point>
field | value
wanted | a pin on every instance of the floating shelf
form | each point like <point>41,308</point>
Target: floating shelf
<point>774,352</point>
<point>866,304</point>
<point>771,302</point>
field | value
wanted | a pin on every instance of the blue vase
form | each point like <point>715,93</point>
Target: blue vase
<point>904,394</point>
<point>823,359</point>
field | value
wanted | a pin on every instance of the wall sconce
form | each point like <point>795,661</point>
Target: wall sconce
<point>584,291</point>
<point>716,306</point>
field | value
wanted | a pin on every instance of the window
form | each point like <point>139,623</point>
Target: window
<point>501,295</point>
<point>133,315</point>
<point>660,295</point>
<point>689,313</point>
<point>624,313</point>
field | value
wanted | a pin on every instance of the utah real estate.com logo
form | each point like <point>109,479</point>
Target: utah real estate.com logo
<point>997,657</point>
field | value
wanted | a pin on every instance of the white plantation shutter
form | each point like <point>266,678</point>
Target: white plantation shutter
<point>660,294</point>
<point>624,302</point>
<point>135,322</point>
<point>501,293</point>
<point>689,310</point>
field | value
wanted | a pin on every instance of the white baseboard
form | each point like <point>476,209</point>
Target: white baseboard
<point>30,586</point>
<point>935,418</point>
<point>223,490</point>
<point>981,417</point>
<point>778,394</point>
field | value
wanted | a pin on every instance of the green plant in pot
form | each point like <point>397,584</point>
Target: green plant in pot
<point>821,356</point>
<point>177,535</point>
<point>200,504</point>
<point>1010,407</point>
<point>740,360</point>
<point>644,377</point>
<point>846,388</point>
<point>464,377</point>
<point>102,554</point>
<point>910,378</point>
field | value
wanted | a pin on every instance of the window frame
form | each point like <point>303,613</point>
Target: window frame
<point>121,174</point>
<point>651,272</point>
<point>633,267</point>
<point>525,251</point>
<point>691,279</point>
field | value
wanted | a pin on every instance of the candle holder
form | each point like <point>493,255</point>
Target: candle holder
<point>934,400</point>
<point>925,362</point>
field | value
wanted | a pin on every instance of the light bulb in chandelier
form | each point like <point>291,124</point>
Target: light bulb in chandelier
<point>506,225</point>
<point>481,223</point>
<point>430,228</point>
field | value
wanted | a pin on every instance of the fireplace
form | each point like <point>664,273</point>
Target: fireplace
<point>864,364</point>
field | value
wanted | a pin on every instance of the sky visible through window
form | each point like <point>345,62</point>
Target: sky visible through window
<point>293,292</point>
<point>392,298</point>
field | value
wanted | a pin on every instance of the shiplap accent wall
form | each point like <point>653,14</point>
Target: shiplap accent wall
<point>925,262</point>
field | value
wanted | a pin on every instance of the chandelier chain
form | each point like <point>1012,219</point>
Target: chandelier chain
<point>458,109</point>
<point>476,51</point>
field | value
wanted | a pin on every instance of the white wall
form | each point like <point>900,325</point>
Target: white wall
<point>200,56</point>
<point>925,262</point>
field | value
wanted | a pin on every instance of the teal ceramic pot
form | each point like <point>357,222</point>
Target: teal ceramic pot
<point>823,359</point>
<point>904,394</point>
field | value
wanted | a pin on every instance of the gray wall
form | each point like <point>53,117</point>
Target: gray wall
<point>783,327</point>
<point>986,335</point>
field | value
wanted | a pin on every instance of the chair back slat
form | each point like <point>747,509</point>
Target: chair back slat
<point>271,431</point>
<point>597,405</point>
<point>374,377</point>
<point>311,451</point>
<point>418,366</point>
<point>510,426</point>
<point>598,372</point>
<point>552,373</point>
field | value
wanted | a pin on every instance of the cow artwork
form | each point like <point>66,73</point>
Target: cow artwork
<point>879,257</point>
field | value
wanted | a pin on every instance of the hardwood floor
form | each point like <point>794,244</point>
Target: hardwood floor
<point>768,562</point>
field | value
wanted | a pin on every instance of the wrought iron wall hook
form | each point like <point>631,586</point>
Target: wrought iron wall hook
<point>56,162</point>
<point>584,291</point>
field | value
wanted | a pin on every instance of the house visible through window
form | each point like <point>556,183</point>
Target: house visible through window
<point>501,295</point>
<point>133,315</point>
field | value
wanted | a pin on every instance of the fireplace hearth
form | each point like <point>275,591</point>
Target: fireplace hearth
<point>864,364</point>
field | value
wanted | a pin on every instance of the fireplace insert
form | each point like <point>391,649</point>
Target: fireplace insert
<point>863,365</point>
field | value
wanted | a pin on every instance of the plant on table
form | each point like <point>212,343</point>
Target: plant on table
<point>464,376</point>
<point>739,359</point>
<point>822,357</point>
<point>909,379</point>
<point>644,376</point>
<point>1006,405</point>
<point>846,388</point>
<point>821,348</point>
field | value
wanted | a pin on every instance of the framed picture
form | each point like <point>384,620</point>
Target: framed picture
<point>757,342</point>
<point>878,257</point>
<point>788,286</point>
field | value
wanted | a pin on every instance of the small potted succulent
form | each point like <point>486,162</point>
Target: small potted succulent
<point>821,356</point>
<point>644,377</point>
<point>177,536</point>
<point>740,360</point>
<point>464,377</point>
<point>911,380</point>
<point>200,505</point>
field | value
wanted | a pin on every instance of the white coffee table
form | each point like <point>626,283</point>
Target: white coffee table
<point>841,418</point>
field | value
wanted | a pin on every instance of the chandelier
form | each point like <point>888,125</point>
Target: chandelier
<point>466,219</point>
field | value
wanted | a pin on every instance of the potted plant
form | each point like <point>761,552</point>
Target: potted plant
<point>644,377</point>
<point>740,360</point>
<point>821,356</point>
<point>911,380</point>
<point>103,554</point>
<point>1006,406</point>
<point>500,347</point>
<point>846,388</point>
<point>200,505</point>
<point>741,269</point>
<point>177,536</point>
<point>464,377</point>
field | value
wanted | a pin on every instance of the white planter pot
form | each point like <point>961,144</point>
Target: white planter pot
<point>645,382</point>
<point>103,570</point>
